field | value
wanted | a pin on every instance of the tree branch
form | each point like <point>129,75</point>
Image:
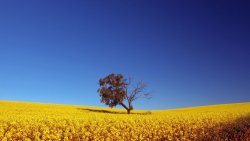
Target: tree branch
<point>124,106</point>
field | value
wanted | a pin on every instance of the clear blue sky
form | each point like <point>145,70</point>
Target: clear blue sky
<point>188,52</point>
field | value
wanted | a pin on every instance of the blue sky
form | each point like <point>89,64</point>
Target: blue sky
<point>188,52</point>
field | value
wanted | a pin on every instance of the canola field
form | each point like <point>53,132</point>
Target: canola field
<point>20,121</point>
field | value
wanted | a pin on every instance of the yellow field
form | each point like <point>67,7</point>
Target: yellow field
<point>33,121</point>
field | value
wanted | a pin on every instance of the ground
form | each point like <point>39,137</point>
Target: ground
<point>37,121</point>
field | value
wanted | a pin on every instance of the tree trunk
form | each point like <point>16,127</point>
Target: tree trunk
<point>124,106</point>
<point>128,111</point>
<point>127,108</point>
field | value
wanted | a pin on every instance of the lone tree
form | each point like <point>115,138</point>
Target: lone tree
<point>115,90</point>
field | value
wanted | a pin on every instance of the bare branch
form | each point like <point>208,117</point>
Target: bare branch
<point>137,92</point>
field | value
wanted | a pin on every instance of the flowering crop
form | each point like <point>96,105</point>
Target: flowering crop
<point>33,121</point>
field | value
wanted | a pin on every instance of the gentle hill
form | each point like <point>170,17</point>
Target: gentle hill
<point>61,108</point>
<point>38,121</point>
<point>245,106</point>
<point>35,108</point>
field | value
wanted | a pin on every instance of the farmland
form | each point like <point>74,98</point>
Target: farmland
<point>37,121</point>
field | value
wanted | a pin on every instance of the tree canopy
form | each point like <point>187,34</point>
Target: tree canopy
<point>115,90</point>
